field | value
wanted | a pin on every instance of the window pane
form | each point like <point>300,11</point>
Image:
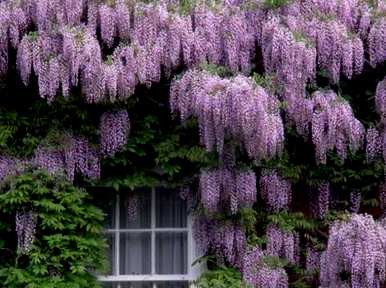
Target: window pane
<point>111,253</point>
<point>135,253</point>
<point>171,253</point>
<point>170,209</point>
<point>135,209</point>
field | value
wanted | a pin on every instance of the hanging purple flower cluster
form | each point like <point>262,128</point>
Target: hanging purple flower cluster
<point>114,131</point>
<point>382,196</point>
<point>225,35</point>
<point>146,38</point>
<point>7,167</point>
<point>334,126</point>
<point>356,246</point>
<point>380,100</point>
<point>50,160</point>
<point>80,156</point>
<point>133,208</point>
<point>74,155</point>
<point>25,230</point>
<point>288,55</point>
<point>259,274</point>
<point>275,190</point>
<point>312,259</point>
<point>373,144</point>
<point>282,243</point>
<point>339,50</point>
<point>228,189</point>
<point>355,201</point>
<point>323,199</point>
<point>234,107</point>
<point>309,36</point>
<point>299,41</point>
<point>149,38</point>
<point>226,239</point>
<point>376,42</point>
<point>376,136</point>
<point>71,154</point>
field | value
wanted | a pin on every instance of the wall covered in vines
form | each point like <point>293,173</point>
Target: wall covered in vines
<point>268,114</point>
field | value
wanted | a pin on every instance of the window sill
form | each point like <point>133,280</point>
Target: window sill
<point>146,278</point>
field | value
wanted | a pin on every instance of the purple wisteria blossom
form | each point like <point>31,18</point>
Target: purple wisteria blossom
<point>224,238</point>
<point>233,107</point>
<point>114,131</point>
<point>259,274</point>
<point>25,230</point>
<point>227,190</point>
<point>356,246</point>
<point>275,190</point>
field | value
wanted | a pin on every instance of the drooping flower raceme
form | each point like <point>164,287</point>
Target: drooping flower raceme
<point>25,230</point>
<point>377,49</point>
<point>282,243</point>
<point>133,208</point>
<point>334,126</point>
<point>7,166</point>
<point>355,201</point>
<point>323,199</point>
<point>275,190</point>
<point>224,238</point>
<point>114,131</point>
<point>80,156</point>
<point>227,189</point>
<point>50,160</point>
<point>380,99</point>
<point>293,43</point>
<point>257,273</point>
<point>312,259</point>
<point>234,107</point>
<point>373,144</point>
<point>356,246</point>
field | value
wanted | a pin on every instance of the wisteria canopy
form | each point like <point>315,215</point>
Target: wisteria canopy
<point>269,86</point>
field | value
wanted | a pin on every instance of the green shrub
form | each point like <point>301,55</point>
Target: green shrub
<point>68,247</point>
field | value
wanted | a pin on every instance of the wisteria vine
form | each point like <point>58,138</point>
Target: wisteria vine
<point>107,49</point>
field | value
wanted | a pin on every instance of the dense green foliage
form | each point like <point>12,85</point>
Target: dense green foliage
<point>223,277</point>
<point>68,246</point>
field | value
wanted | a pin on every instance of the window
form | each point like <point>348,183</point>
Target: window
<point>150,241</point>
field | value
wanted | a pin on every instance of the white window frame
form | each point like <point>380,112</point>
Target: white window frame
<point>193,272</point>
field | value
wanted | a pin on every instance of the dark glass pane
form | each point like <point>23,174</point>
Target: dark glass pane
<point>170,209</point>
<point>171,253</point>
<point>135,253</point>
<point>135,209</point>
